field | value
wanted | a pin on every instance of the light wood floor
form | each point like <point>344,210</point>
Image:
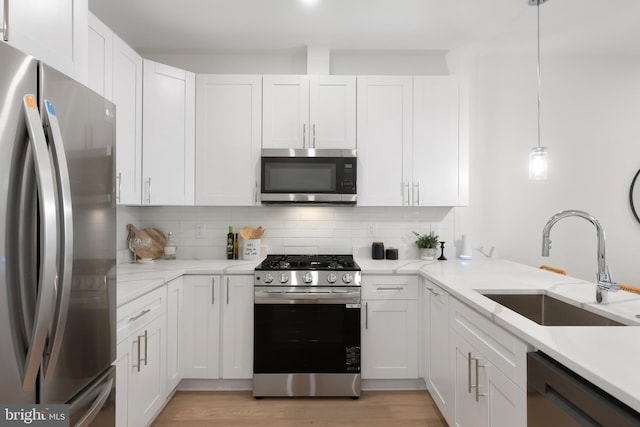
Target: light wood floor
<point>373,409</point>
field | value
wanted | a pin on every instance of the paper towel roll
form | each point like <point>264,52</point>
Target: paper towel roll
<point>466,252</point>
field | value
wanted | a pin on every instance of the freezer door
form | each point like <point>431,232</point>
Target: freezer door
<point>95,406</point>
<point>87,130</point>
<point>18,77</point>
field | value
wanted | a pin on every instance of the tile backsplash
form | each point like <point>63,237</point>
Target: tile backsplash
<point>200,232</point>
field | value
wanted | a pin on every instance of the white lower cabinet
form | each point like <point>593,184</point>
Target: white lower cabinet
<point>217,333</point>
<point>175,315</point>
<point>436,351</point>
<point>237,334</point>
<point>141,363</point>
<point>489,367</point>
<point>200,347</point>
<point>389,337</point>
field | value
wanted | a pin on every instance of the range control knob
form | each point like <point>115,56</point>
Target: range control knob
<point>307,277</point>
<point>331,278</point>
<point>268,278</point>
<point>347,278</point>
<point>283,277</point>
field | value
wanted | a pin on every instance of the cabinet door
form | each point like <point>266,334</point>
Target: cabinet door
<point>237,331</point>
<point>147,373</point>
<point>384,140</point>
<point>127,95</point>
<point>123,363</point>
<point>470,369</point>
<point>201,333</point>
<point>507,402</point>
<point>332,112</point>
<point>285,112</point>
<point>54,31</point>
<point>390,339</point>
<point>168,135</point>
<point>440,382</point>
<point>174,326</point>
<point>100,78</point>
<point>440,148</point>
<point>228,133</point>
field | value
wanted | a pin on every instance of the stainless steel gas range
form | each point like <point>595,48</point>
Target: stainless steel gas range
<point>307,326</point>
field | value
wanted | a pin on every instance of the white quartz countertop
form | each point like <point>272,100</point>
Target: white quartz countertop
<point>604,355</point>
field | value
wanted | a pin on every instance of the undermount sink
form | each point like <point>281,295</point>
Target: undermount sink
<point>549,311</point>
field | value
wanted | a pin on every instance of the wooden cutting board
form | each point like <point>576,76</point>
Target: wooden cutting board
<point>146,243</point>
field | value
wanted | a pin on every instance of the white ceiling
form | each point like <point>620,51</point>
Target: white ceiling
<point>171,26</point>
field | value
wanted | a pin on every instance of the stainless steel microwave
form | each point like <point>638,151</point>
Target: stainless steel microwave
<point>308,175</point>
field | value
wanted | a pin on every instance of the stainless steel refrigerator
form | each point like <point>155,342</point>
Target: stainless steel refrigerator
<point>57,242</point>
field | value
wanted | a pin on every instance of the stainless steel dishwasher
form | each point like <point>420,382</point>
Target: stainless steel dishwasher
<point>557,396</point>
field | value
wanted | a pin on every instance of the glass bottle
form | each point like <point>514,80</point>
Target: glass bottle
<point>170,248</point>
<point>230,241</point>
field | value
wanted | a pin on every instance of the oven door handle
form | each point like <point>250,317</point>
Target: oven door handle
<point>274,297</point>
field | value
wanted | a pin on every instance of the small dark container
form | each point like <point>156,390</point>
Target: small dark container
<point>391,253</point>
<point>377,250</point>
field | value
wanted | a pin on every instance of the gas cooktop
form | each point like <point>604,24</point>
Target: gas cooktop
<point>309,262</point>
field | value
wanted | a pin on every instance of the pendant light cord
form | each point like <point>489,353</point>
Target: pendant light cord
<point>539,77</point>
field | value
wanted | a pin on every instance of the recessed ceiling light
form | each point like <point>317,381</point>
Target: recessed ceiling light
<point>310,2</point>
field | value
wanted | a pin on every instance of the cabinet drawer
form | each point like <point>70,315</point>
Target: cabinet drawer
<point>503,350</point>
<point>140,312</point>
<point>390,287</point>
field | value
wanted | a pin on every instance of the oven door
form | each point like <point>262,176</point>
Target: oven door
<point>308,176</point>
<point>321,337</point>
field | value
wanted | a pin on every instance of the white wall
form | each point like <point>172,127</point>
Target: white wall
<point>302,229</point>
<point>591,125</point>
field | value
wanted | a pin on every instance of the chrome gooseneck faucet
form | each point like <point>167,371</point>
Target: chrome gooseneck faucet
<point>603,277</point>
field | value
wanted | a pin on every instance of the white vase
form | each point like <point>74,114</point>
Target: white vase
<point>428,253</point>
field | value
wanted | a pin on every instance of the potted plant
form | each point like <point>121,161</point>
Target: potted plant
<point>427,243</point>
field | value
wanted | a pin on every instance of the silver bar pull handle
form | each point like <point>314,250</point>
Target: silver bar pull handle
<point>139,353</point>
<point>304,135</point>
<point>149,190</point>
<point>227,291</point>
<point>255,193</point>
<point>478,366</point>
<point>434,293</point>
<point>366,315</point>
<point>47,275</point>
<point>142,313</point>
<point>65,236</point>
<point>146,341</point>
<point>213,290</point>
<point>5,21</point>
<point>416,193</point>
<point>390,288</point>
<point>469,373</point>
<point>96,406</point>
<point>314,135</point>
<point>406,198</point>
<point>119,187</point>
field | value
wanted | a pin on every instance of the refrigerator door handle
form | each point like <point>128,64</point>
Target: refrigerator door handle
<point>65,245</point>
<point>47,277</point>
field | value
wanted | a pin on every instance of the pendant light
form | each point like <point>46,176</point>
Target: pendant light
<point>538,154</point>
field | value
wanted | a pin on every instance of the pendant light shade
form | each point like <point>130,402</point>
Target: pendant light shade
<point>538,155</point>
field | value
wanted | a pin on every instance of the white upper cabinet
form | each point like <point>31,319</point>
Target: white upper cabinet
<point>412,141</point>
<point>54,31</point>
<point>384,139</point>
<point>285,111</point>
<point>332,112</point>
<point>440,159</point>
<point>168,129</point>
<point>228,132</point>
<point>100,62</point>
<point>127,95</point>
<point>309,112</point>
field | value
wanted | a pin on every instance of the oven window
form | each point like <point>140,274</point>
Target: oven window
<point>299,176</point>
<point>306,338</point>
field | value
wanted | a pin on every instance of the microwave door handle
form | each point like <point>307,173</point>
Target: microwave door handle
<point>47,277</point>
<point>65,244</point>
